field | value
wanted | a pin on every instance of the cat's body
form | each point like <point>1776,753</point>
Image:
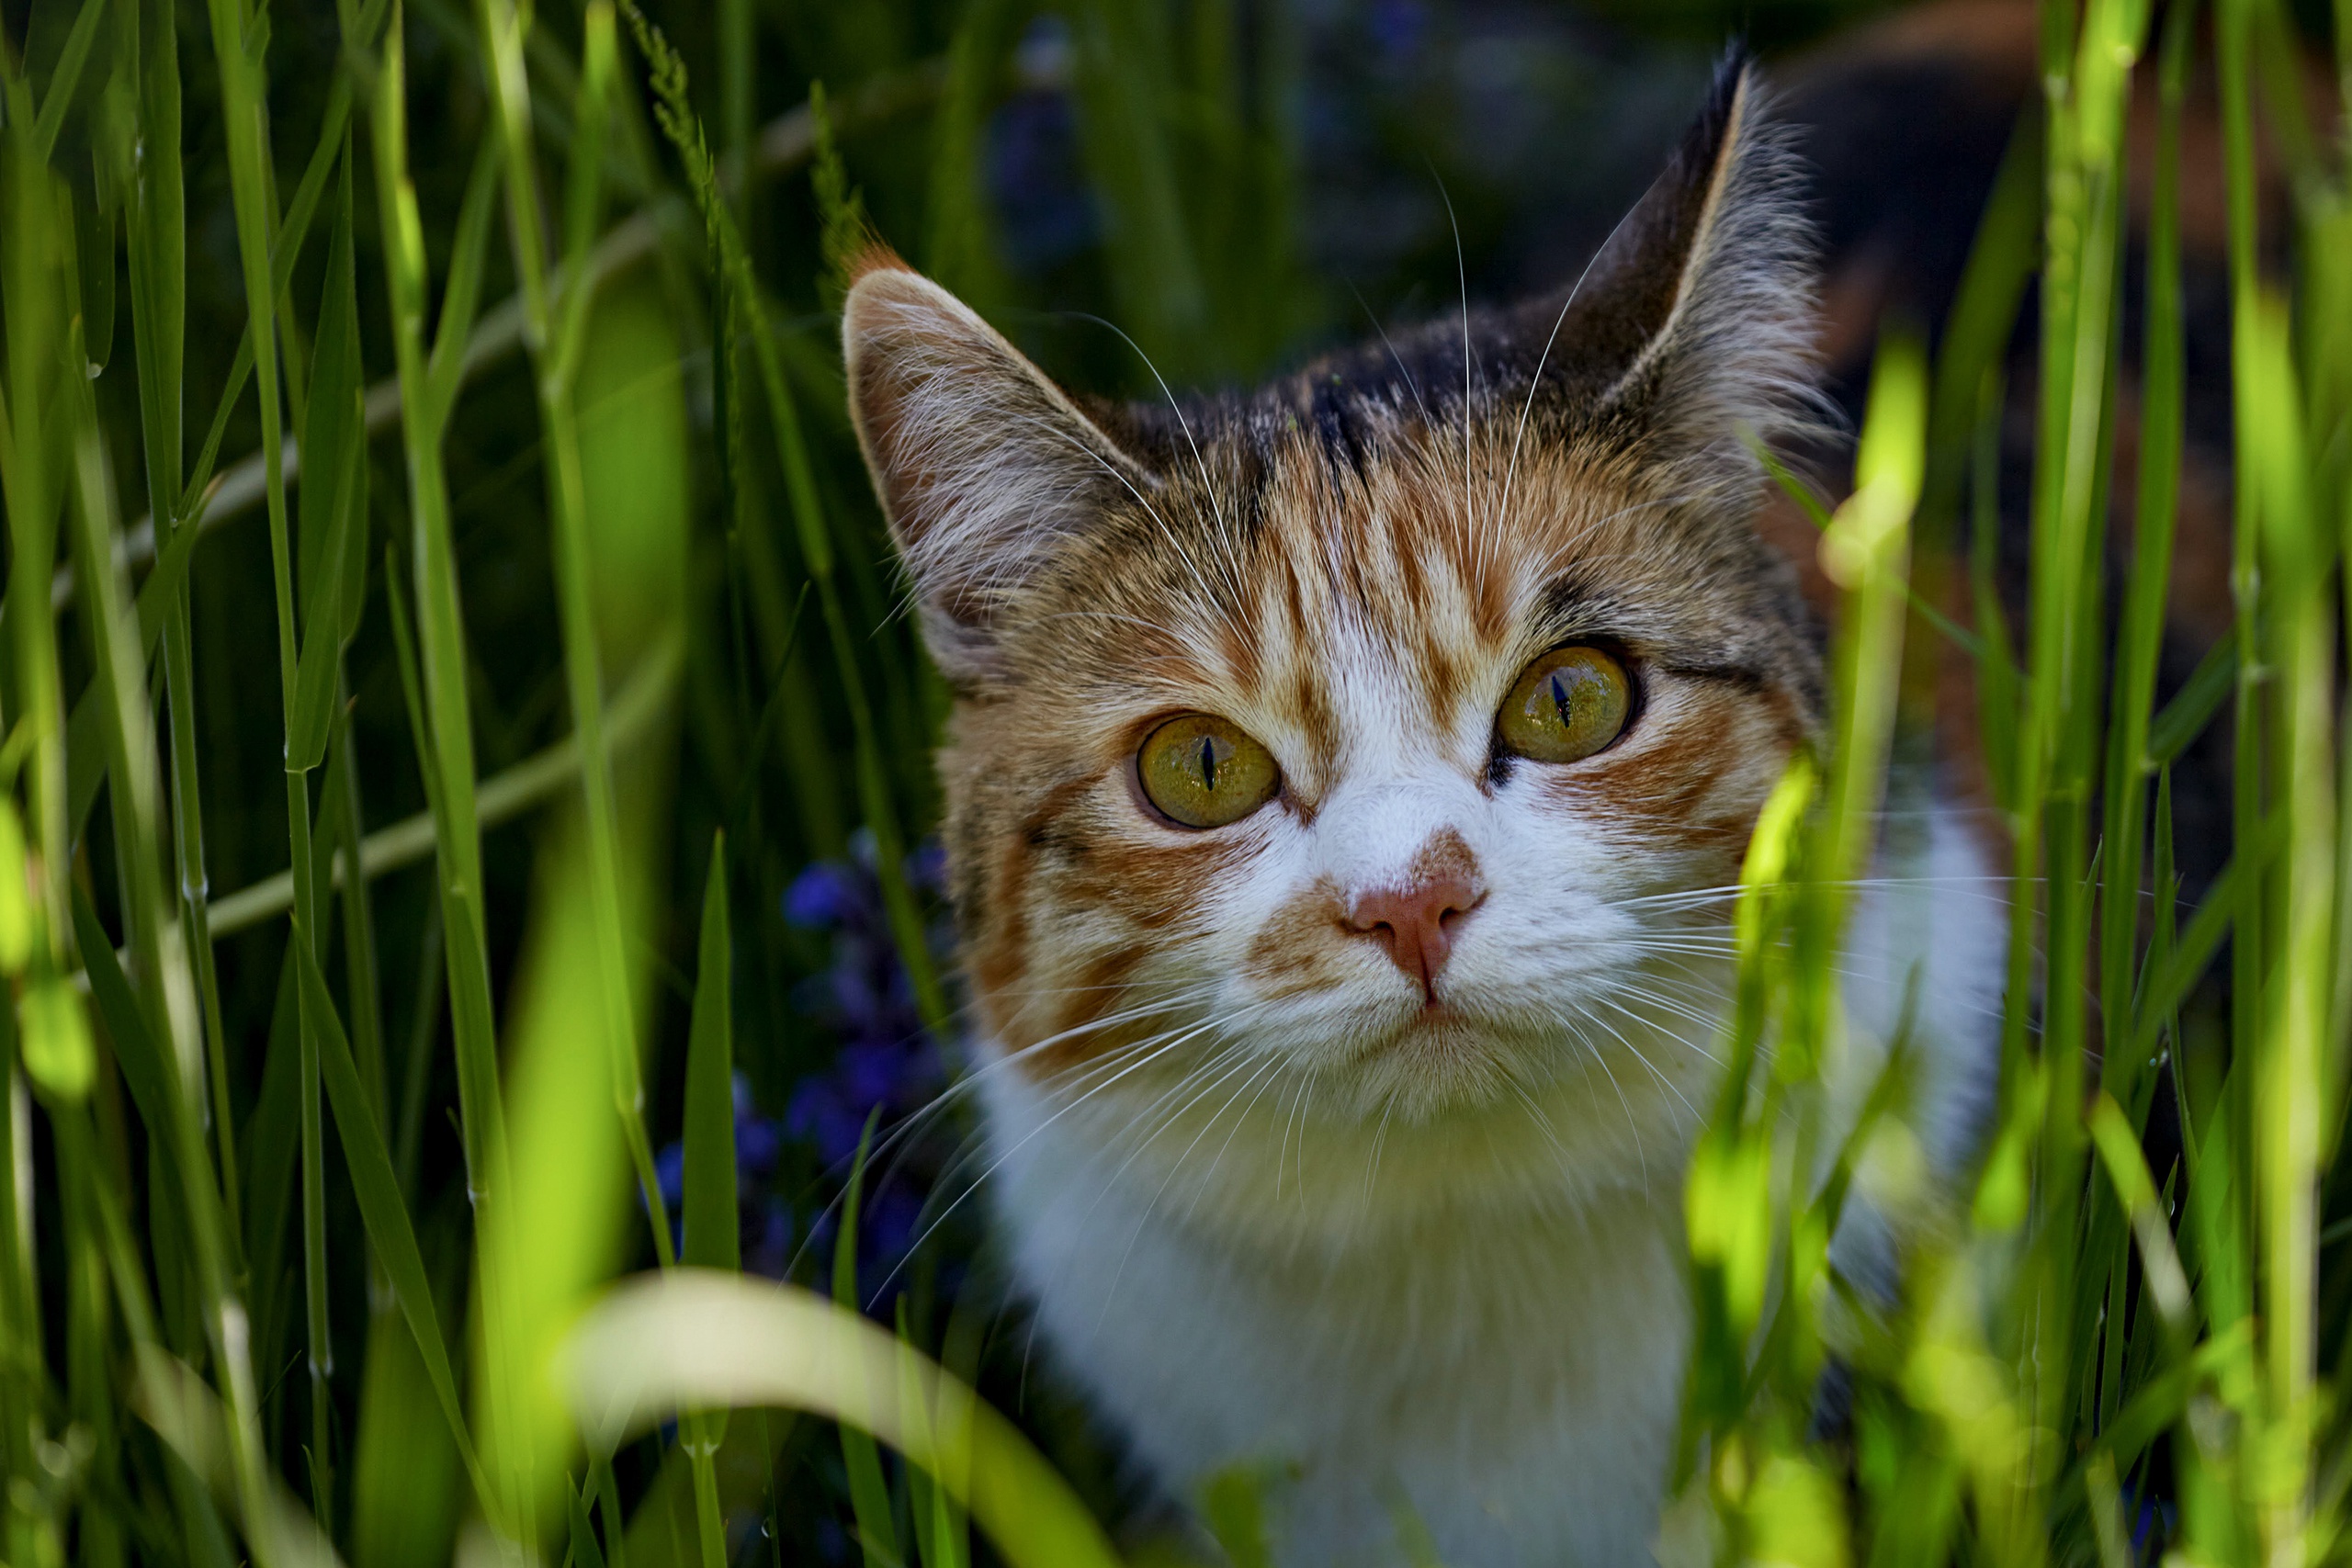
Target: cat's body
<point>1341,1055</point>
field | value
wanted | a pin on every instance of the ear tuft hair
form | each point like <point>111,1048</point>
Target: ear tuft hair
<point>875,255</point>
<point>982,465</point>
<point>1692,326</point>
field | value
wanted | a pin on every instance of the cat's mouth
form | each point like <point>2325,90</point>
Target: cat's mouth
<point>1437,1037</point>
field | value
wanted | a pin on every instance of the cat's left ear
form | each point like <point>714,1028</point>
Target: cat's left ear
<point>985,468</point>
<point>1692,326</point>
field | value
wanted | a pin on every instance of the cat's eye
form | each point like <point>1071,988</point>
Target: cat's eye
<point>1566,705</point>
<point>1203,772</point>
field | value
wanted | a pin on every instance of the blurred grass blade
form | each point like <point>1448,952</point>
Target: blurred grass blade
<point>2001,262</point>
<point>585,1552</point>
<point>556,344</point>
<point>186,1415</point>
<point>66,77</point>
<point>941,1540</point>
<point>145,1070</point>
<point>84,729</point>
<point>2225,904</point>
<point>693,1338</point>
<point>2184,718</point>
<point>2167,1284</point>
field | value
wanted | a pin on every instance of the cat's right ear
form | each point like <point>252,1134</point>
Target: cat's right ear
<point>983,466</point>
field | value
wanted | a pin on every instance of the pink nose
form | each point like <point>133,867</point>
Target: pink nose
<point>1415,925</point>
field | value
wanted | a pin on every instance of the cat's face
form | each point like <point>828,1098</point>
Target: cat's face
<point>1378,737</point>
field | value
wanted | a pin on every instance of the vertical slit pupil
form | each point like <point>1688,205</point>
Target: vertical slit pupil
<point>1560,698</point>
<point>1208,763</point>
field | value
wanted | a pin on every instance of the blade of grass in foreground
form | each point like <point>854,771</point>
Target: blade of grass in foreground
<point>554,330</point>
<point>2288,1093</point>
<point>693,1339</point>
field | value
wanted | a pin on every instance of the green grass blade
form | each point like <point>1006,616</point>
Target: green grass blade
<point>452,330</point>
<point>710,1207</point>
<point>240,44</point>
<point>438,655</point>
<point>158,259</point>
<point>712,1239</point>
<point>2140,639</point>
<point>333,501</point>
<point>555,348</point>
<point>869,1493</point>
<point>695,1339</point>
<point>158,606</point>
<point>2223,910</point>
<point>271,1140</point>
<point>585,1552</point>
<point>1124,122</point>
<point>377,1187</point>
<point>145,1071</point>
<point>439,646</point>
<point>957,250</point>
<point>358,925</point>
<point>2001,262</point>
<point>2184,718</point>
<point>67,76</point>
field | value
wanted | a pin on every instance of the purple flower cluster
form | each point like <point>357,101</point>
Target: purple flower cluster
<point>886,1061</point>
<point>1034,167</point>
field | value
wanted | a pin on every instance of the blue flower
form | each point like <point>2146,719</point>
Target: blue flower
<point>1398,27</point>
<point>886,1061</point>
<point>825,895</point>
<point>1036,172</point>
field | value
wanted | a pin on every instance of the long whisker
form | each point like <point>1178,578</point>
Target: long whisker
<point>1160,1048</point>
<point>1143,1220</point>
<point>1174,407</point>
<point>1272,1075</point>
<point>1462,274</point>
<point>1535,381</point>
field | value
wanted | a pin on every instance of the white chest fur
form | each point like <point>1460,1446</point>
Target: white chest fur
<point>1494,1336</point>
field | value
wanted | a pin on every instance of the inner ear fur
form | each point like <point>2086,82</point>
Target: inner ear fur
<point>983,466</point>
<point>1694,321</point>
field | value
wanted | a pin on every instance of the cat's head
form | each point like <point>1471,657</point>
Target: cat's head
<point>1380,734</point>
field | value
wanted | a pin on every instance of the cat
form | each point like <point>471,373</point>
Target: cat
<point>1343,789</point>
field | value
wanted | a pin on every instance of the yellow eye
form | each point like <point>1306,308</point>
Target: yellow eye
<point>1203,772</point>
<point>1566,705</point>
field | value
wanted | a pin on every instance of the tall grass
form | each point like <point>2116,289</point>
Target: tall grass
<point>523,320</point>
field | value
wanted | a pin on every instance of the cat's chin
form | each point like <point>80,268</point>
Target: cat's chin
<point>1446,1066</point>
<point>1435,1062</point>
